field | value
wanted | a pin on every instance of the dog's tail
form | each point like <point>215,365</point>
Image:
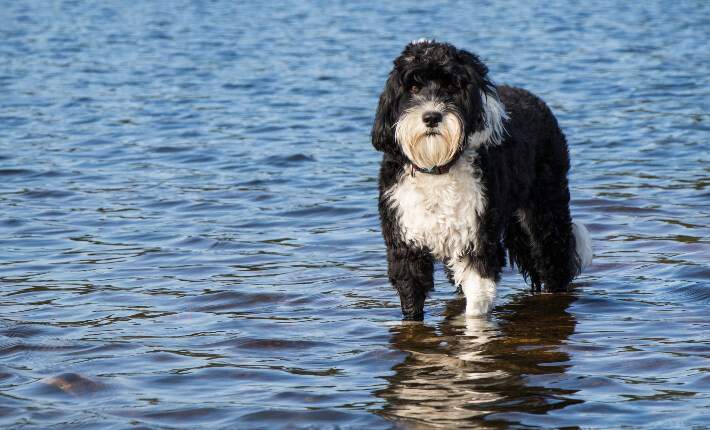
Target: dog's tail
<point>583,246</point>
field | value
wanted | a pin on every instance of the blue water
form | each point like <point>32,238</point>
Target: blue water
<point>190,234</point>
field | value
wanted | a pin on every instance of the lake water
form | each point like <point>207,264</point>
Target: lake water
<point>190,235</point>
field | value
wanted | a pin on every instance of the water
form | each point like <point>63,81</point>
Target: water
<point>188,218</point>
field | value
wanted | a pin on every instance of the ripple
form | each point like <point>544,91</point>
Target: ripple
<point>279,344</point>
<point>188,215</point>
<point>15,172</point>
<point>170,149</point>
<point>697,293</point>
<point>43,194</point>
<point>289,160</point>
<point>235,300</point>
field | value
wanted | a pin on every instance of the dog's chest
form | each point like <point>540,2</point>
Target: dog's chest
<point>440,212</point>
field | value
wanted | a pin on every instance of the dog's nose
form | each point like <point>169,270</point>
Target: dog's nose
<point>431,118</point>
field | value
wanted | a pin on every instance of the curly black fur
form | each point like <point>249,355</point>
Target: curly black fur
<point>524,177</point>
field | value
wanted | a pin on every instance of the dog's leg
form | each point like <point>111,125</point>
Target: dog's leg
<point>480,291</point>
<point>411,272</point>
<point>477,272</point>
<point>553,245</point>
<point>518,241</point>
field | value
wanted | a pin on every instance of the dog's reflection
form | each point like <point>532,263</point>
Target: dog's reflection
<point>467,368</point>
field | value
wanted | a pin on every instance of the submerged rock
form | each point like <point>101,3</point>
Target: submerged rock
<point>73,383</point>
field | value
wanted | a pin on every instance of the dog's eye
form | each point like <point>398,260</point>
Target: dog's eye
<point>414,89</point>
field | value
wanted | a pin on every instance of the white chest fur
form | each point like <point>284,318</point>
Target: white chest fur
<point>439,212</point>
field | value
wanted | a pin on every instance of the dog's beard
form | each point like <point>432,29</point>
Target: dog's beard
<point>428,147</point>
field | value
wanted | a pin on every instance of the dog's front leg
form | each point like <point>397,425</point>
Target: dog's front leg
<point>479,287</point>
<point>411,272</point>
<point>478,270</point>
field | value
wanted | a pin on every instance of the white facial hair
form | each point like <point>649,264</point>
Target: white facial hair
<point>429,150</point>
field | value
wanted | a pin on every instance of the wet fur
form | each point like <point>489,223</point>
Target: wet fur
<point>508,191</point>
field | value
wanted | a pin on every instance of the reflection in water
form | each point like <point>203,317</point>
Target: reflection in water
<point>469,368</point>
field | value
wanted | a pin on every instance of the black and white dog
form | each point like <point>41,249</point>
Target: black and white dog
<point>469,170</point>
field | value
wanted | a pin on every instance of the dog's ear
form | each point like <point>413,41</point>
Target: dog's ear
<point>482,101</point>
<point>475,70</point>
<point>385,118</point>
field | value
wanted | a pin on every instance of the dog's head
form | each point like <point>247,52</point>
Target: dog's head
<point>437,101</point>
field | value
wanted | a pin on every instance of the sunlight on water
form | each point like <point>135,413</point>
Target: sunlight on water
<point>190,232</point>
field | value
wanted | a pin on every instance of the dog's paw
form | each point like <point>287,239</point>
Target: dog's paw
<point>480,294</point>
<point>477,308</point>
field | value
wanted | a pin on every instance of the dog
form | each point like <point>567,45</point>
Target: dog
<point>470,170</point>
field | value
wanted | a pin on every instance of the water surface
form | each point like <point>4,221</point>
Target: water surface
<point>190,234</point>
